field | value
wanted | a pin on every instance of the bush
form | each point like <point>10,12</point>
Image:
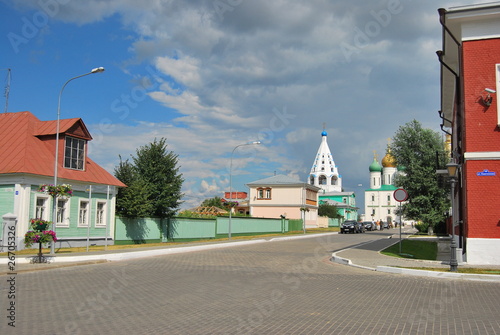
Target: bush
<point>422,227</point>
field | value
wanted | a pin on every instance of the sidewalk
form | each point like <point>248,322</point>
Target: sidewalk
<point>368,256</point>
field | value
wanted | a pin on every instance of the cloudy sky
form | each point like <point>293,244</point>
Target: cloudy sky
<point>209,75</point>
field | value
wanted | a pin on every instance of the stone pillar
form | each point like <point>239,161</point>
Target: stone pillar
<point>10,241</point>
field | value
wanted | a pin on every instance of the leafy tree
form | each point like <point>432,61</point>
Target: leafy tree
<point>131,201</point>
<point>415,148</point>
<point>325,209</point>
<point>215,201</point>
<point>153,180</point>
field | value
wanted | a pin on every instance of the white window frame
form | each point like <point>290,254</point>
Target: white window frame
<point>65,220</point>
<point>267,193</point>
<point>101,213</point>
<point>45,207</point>
<point>76,155</point>
<point>86,214</point>
<point>260,193</point>
<point>497,68</point>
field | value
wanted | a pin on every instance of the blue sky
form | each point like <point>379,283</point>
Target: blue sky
<point>209,75</point>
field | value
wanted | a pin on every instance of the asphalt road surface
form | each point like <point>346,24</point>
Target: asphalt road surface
<point>281,287</point>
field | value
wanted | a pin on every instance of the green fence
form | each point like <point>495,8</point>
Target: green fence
<point>333,222</point>
<point>296,225</point>
<point>153,230</point>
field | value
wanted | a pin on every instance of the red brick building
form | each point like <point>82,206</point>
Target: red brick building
<point>470,78</point>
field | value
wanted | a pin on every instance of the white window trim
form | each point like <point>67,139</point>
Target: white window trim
<point>65,222</point>
<point>46,207</point>
<point>87,214</point>
<point>84,153</point>
<point>497,68</point>
<point>104,216</point>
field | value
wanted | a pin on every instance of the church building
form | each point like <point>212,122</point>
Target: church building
<point>379,200</point>
<point>325,175</point>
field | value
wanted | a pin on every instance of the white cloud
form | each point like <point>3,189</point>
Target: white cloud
<point>184,70</point>
<point>227,73</point>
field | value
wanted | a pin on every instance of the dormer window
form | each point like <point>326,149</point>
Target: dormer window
<point>74,153</point>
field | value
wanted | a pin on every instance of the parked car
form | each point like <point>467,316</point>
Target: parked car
<point>361,227</point>
<point>370,226</point>
<point>384,225</point>
<point>349,226</point>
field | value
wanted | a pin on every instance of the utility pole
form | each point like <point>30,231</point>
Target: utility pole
<point>7,90</point>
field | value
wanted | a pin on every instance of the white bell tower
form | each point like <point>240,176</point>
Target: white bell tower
<point>324,173</point>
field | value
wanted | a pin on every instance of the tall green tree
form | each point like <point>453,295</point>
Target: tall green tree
<point>154,182</point>
<point>131,201</point>
<point>331,211</point>
<point>416,149</point>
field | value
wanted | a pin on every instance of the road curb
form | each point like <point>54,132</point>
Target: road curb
<point>415,272</point>
<point>439,274</point>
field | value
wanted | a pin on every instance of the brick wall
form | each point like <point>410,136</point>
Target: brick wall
<point>479,59</point>
<point>482,193</point>
<point>483,199</point>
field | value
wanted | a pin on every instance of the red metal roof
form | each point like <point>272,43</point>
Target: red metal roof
<point>27,145</point>
<point>236,195</point>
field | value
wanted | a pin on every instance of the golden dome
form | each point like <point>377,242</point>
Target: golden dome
<point>389,160</point>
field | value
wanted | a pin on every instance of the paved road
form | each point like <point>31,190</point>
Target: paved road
<point>283,287</point>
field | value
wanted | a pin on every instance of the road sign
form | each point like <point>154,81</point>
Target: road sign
<point>400,195</point>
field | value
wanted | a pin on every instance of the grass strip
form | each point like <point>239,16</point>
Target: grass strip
<point>413,249</point>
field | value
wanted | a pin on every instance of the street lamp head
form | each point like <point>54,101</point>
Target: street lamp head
<point>97,70</point>
<point>452,169</point>
<point>254,142</point>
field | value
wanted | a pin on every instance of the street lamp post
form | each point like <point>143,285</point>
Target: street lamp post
<point>231,182</point>
<point>453,174</point>
<point>54,205</point>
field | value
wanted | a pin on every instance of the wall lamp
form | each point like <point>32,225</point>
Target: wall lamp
<point>488,99</point>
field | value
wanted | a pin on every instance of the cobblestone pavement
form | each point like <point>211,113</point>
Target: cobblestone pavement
<point>282,287</point>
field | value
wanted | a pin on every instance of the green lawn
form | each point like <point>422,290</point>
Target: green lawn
<point>413,249</point>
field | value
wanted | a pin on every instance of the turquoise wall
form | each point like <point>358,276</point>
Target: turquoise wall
<point>151,230</point>
<point>6,202</point>
<point>333,222</point>
<point>73,231</point>
<point>137,230</point>
<point>6,199</point>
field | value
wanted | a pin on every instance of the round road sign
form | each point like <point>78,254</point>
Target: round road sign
<point>400,195</point>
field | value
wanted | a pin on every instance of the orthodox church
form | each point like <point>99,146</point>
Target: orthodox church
<point>325,175</point>
<point>379,200</point>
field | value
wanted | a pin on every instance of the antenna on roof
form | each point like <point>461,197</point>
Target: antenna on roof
<point>7,90</point>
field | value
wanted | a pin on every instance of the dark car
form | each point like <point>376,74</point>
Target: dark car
<point>385,225</point>
<point>370,226</point>
<point>360,227</point>
<point>349,226</point>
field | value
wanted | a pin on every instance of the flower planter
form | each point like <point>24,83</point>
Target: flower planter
<point>39,234</point>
